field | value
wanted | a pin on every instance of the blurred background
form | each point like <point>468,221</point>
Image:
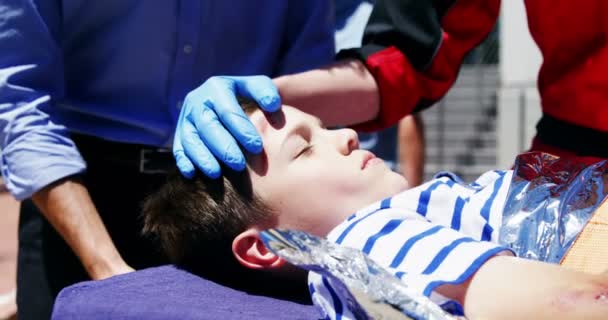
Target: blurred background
<point>490,115</point>
<point>484,121</point>
<point>9,210</point>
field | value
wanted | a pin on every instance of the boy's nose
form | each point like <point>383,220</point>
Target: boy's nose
<point>349,141</point>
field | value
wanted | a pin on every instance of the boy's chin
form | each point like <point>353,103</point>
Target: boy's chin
<point>396,183</point>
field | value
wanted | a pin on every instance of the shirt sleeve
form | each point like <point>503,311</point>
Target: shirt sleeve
<point>422,254</point>
<point>414,50</point>
<point>309,38</point>
<point>36,150</point>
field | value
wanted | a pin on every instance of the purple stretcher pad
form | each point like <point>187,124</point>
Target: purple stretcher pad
<point>169,293</point>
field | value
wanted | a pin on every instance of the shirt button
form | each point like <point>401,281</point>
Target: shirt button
<point>187,49</point>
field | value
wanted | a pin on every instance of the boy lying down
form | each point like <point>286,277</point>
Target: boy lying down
<point>439,238</point>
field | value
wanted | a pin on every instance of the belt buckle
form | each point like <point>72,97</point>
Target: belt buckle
<point>149,158</point>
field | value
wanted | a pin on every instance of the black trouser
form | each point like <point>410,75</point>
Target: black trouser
<point>117,186</point>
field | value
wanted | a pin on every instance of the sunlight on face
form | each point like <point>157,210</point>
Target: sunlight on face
<point>313,177</point>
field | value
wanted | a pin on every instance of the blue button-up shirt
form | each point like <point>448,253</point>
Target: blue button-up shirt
<point>118,69</point>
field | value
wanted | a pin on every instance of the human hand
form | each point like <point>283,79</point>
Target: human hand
<point>68,207</point>
<point>103,271</point>
<point>211,119</point>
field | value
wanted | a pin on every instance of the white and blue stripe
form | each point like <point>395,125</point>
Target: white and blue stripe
<point>438,233</point>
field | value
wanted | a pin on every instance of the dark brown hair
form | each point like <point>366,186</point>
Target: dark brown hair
<point>195,220</point>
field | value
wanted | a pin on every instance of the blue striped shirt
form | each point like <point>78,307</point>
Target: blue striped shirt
<point>438,233</point>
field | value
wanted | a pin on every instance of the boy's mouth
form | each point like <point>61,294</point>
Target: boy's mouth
<point>369,159</point>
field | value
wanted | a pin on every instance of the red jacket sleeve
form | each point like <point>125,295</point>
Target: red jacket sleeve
<point>414,49</point>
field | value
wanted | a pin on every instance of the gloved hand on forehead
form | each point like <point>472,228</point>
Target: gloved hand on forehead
<point>211,122</point>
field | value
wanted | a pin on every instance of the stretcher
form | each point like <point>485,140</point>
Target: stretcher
<point>168,292</point>
<point>546,189</point>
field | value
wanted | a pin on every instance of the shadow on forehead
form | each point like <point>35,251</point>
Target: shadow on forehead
<point>275,119</point>
<point>248,105</point>
<point>256,162</point>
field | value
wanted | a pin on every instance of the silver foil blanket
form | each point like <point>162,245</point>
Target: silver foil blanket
<point>549,202</point>
<point>371,291</point>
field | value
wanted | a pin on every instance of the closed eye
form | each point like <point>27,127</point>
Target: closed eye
<point>306,151</point>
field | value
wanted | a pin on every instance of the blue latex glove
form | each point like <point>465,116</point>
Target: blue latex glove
<point>211,119</point>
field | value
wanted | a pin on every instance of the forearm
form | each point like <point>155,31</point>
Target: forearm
<point>411,149</point>
<point>514,288</point>
<point>342,94</point>
<point>67,205</point>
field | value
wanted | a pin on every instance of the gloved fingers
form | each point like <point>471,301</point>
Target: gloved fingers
<point>197,152</point>
<point>219,141</point>
<point>234,119</point>
<point>211,120</point>
<point>184,164</point>
<point>262,90</point>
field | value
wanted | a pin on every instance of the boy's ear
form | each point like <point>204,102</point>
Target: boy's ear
<point>251,252</point>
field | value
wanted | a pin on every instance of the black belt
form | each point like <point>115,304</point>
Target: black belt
<point>580,140</point>
<point>141,158</point>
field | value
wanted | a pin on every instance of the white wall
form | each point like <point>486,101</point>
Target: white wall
<point>518,99</point>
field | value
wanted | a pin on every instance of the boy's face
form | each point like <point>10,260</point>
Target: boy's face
<point>313,177</point>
